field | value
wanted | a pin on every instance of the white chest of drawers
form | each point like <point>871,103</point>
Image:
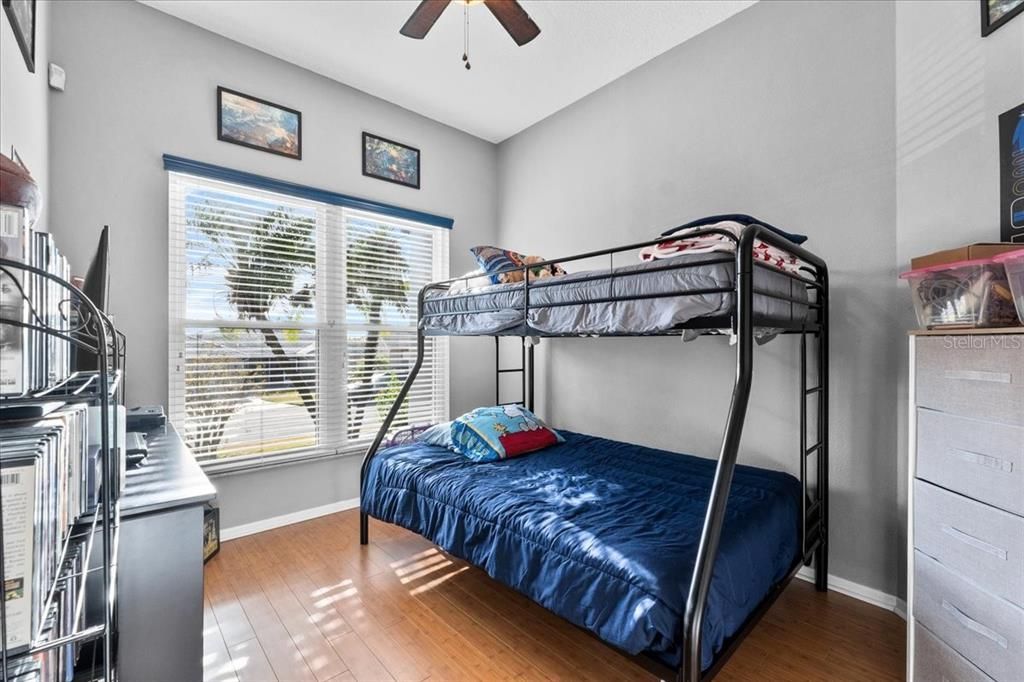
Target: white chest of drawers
<point>965,591</point>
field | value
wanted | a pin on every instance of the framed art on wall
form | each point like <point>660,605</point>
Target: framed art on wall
<point>995,13</point>
<point>392,161</point>
<point>258,124</point>
<point>22,15</point>
<point>1011,175</point>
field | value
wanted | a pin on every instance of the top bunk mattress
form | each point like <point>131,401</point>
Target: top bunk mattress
<point>644,298</point>
<point>601,532</point>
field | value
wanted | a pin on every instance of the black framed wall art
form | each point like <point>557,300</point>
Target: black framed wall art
<point>995,13</point>
<point>1011,175</point>
<point>22,15</point>
<point>391,161</point>
<point>258,124</point>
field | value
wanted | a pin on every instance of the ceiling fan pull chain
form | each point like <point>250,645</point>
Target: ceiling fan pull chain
<point>465,37</point>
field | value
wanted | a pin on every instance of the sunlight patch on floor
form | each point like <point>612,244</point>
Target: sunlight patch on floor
<point>415,557</point>
<point>426,587</point>
<point>409,569</point>
<point>320,591</point>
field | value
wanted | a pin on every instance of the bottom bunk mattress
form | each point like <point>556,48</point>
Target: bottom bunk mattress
<point>602,533</point>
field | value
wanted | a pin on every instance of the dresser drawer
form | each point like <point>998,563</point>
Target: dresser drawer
<point>982,460</point>
<point>980,376</point>
<point>936,662</point>
<point>981,543</point>
<point>986,630</point>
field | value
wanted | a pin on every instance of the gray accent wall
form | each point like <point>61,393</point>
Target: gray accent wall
<point>24,102</point>
<point>952,84</point>
<point>140,84</point>
<point>785,111</point>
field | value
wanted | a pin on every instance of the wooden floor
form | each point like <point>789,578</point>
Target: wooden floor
<point>307,602</point>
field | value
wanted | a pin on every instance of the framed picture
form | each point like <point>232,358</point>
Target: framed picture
<point>1011,175</point>
<point>258,124</point>
<point>386,159</point>
<point>995,13</point>
<point>211,533</point>
<point>22,15</point>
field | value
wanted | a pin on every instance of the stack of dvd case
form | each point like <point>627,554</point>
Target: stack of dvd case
<point>45,475</point>
<point>33,360</point>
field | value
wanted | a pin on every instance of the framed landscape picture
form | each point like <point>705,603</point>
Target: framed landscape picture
<point>995,13</point>
<point>22,15</point>
<point>258,124</point>
<point>392,161</point>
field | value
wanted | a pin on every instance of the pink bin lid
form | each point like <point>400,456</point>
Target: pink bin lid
<point>1010,255</point>
<point>949,266</point>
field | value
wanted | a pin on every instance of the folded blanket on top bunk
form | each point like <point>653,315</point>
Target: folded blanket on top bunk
<point>601,532</point>
<point>632,299</point>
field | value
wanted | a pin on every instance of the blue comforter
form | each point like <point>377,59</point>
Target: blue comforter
<point>601,532</point>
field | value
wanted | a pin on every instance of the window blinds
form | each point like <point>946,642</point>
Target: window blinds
<point>293,323</point>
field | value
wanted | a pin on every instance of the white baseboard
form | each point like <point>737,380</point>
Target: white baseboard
<point>286,519</point>
<point>870,595</point>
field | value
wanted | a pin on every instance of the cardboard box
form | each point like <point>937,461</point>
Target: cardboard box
<point>969,252</point>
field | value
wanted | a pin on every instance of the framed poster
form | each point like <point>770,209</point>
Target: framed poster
<point>258,124</point>
<point>995,13</point>
<point>22,15</point>
<point>1011,175</point>
<point>392,161</point>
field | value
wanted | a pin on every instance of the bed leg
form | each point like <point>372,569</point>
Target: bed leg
<point>821,568</point>
<point>364,528</point>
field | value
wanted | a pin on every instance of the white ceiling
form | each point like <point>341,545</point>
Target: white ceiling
<point>582,46</point>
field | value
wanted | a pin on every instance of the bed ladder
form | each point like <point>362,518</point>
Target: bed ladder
<point>813,517</point>
<point>525,370</point>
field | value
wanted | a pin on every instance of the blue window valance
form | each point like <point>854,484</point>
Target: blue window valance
<point>207,170</point>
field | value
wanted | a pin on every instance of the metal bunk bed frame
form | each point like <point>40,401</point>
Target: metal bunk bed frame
<point>742,323</point>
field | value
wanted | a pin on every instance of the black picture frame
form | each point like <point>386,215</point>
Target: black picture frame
<point>211,533</point>
<point>26,43</point>
<point>988,26</point>
<point>1011,175</point>
<point>221,91</point>
<point>370,174</point>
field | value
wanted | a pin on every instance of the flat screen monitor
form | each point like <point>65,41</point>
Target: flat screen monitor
<point>97,288</point>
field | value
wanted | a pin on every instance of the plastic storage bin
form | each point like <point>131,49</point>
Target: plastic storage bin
<point>1013,263</point>
<point>971,293</point>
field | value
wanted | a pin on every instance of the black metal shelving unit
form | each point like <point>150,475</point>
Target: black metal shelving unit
<point>89,330</point>
<point>741,322</point>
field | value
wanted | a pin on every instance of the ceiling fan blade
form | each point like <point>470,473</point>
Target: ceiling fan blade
<point>514,19</point>
<point>423,18</point>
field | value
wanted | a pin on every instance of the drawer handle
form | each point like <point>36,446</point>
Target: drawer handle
<point>976,375</point>
<point>987,461</point>
<point>974,626</point>
<point>974,542</point>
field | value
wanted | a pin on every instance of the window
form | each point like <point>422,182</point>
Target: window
<point>293,323</point>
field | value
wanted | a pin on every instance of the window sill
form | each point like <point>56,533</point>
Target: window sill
<point>216,469</point>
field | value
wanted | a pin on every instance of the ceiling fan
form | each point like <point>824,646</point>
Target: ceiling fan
<point>512,17</point>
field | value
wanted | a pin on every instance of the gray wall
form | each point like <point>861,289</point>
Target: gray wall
<point>785,111</point>
<point>141,84</point>
<point>24,102</point>
<point>952,84</point>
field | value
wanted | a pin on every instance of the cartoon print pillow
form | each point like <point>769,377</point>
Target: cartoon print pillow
<point>493,260</point>
<point>489,434</point>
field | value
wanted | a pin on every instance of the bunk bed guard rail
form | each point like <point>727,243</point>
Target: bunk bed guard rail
<point>742,326</point>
